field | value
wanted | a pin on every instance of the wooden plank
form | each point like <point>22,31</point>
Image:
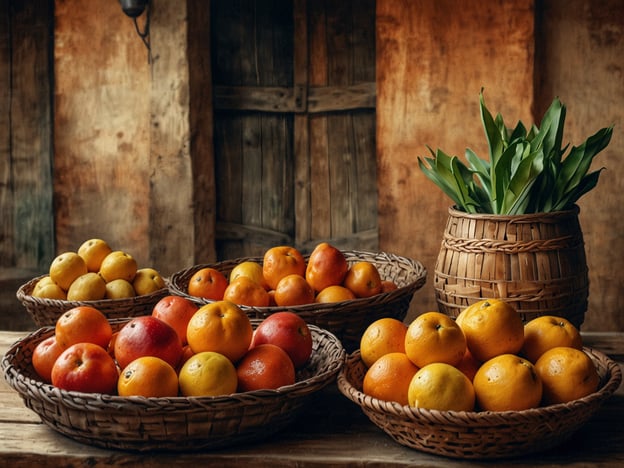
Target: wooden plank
<point>6,193</point>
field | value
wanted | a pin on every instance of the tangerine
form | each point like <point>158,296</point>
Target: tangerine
<point>546,332</point>
<point>389,378</point>
<point>293,290</point>
<point>280,261</point>
<point>245,291</point>
<point>363,279</point>
<point>208,283</point>
<point>334,293</point>
<point>383,336</point>
<point>434,337</point>
<point>44,355</point>
<point>148,376</point>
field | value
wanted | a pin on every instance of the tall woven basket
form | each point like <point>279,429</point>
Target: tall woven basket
<point>536,262</point>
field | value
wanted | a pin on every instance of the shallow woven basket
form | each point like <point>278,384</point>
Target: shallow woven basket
<point>534,261</point>
<point>479,435</point>
<point>347,319</point>
<point>170,424</point>
<point>45,312</point>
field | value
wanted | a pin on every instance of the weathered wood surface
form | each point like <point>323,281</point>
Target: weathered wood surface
<point>331,432</point>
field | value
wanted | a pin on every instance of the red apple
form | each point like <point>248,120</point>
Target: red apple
<point>44,356</point>
<point>288,331</point>
<point>85,367</point>
<point>175,311</point>
<point>147,336</point>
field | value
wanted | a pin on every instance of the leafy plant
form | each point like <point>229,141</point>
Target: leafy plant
<point>526,171</point>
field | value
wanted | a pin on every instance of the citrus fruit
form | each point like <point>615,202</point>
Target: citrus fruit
<point>245,291</point>
<point>93,251</point>
<point>207,374</point>
<point>469,365</point>
<point>118,265</point>
<point>327,266</point>
<point>491,327</point>
<point>148,376</point>
<point>175,311</point>
<point>389,378</point>
<point>293,290</point>
<point>434,337</point>
<point>507,383</point>
<point>250,269</point>
<point>280,261</point>
<point>87,287</point>
<point>221,327</point>
<point>65,268</point>
<point>567,374</point>
<point>546,332</point>
<point>44,355</point>
<point>334,293</point>
<point>363,279</point>
<point>208,283</point>
<point>440,386</point>
<point>83,324</point>
<point>265,366</point>
<point>146,281</point>
<point>383,336</point>
<point>119,289</point>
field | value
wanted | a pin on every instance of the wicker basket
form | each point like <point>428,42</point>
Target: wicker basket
<point>535,261</point>
<point>479,435</point>
<point>170,424</point>
<point>46,311</point>
<point>347,319</point>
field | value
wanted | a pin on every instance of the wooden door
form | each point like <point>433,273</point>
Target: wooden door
<point>294,111</point>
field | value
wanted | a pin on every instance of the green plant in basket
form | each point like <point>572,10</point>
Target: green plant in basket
<point>527,171</point>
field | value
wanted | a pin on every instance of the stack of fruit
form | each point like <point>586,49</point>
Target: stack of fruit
<point>485,360</point>
<point>285,278</point>
<point>95,272</point>
<point>180,349</point>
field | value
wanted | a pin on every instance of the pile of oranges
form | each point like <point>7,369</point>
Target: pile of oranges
<point>284,278</point>
<point>180,349</point>
<point>95,272</point>
<point>486,359</point>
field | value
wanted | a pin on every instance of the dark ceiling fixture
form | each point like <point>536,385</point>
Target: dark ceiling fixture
<point>134,9</point>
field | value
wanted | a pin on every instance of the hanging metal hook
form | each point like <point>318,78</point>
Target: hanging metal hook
<point>134,9</point>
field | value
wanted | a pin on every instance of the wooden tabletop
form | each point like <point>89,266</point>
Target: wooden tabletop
<point>331,432</point>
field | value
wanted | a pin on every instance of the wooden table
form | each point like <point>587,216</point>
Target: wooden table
<point>333,432</point>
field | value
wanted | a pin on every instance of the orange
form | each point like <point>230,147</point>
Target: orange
<point>507,383</point>
<point>208,283</point>
<point>334,293</point>
<point>281,261</point>
<point>389,378</point>
<point>44,355</point>
<point>293,290</point>
<point>327,266</point>
<point>383,336</point>
<point>265,366</point>
<point>65,268</point>
<point>546,332</point>
<point>93,251</point>
<point>567,374</point>
<point>388,285</point>
<point>220,327</point>
<point>118,264</point>
<point>83,324</point>
<point>87,287</point>
<point>363,279</point>
<point>434,337</point>
<point>148,376</point>
<point>252,270</point>
<point>469,365</point>
<point>245,291</point>
<point>440,386</point>
<point>491,327</point>
<point>175,311</point>
<point>207,374</point>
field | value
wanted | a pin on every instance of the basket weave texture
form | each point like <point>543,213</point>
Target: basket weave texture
<point>479,435</point>
<point>348,319</point>
<point>45,311</point>
<point>536,262</point>
<point>170,424</point>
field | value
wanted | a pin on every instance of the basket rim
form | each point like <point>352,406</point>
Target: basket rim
<point>524,217</point>
<point>483,419</point>
<point>318,308</point>
<point>98,400</point>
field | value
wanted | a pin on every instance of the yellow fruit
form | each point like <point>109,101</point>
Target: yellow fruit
<point>148,376</point>
<point>207,374</point>
<point>507,383</point>
<point>44,281</point>
<point>118,265</point>
<point>389,378</point>
<point>87,287</point>
<point>250,269</point>
<point>383,336</point>
<point>66,267</point>
<point>147,281</point>
<point>93,251</point>
<point>547,332</point>
<point>441,387</point>
<point>48,289</point>
<point>492,327</point>
<point>119,289</point>
<point>434,337</point>
<point>567,374</point>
